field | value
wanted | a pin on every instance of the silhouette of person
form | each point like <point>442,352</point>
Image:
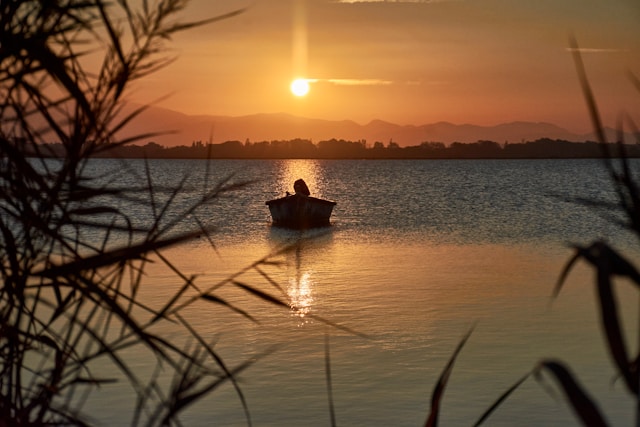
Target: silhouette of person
<point>300,187</point>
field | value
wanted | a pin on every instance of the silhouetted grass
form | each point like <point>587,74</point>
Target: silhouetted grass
<point>66,301</point>
<point>608,264</point>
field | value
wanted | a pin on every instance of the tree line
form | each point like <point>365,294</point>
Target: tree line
<point>543,148</point>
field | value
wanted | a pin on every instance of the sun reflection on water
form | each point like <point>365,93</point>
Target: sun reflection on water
<point>309,170</point>
<point>301,295</point>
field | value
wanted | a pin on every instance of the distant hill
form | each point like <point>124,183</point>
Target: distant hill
<point>266,127</point>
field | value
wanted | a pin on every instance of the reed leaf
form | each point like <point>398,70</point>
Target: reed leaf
<point>501,399</point>
<point>327,370</point>
<point>188,399</point>
<point>114,256</point>
<point>590,99</point>
<point>438,391</point>
<point>217,300</point>
<point>220,362</point>
<point>609,263</point>
<point>260,294</point>
<point>580,401</point>
<point>93,381</point>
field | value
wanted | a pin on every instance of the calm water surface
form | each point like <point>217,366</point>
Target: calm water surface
<point>418,253</point>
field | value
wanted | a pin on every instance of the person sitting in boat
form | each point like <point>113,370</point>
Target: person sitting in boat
<point>300,187</point>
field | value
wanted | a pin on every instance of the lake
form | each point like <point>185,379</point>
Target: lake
<point>418,253</point>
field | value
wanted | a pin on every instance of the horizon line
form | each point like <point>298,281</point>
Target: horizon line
<point>365,122</point>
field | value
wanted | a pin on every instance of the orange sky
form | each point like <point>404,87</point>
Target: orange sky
<point>409,62</point>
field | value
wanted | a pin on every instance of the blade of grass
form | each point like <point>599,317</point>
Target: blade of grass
<point>501,399</point>
<point>438,391</point>
<point>327,370</point>
<point>217,300</point>
<point>582,404</point>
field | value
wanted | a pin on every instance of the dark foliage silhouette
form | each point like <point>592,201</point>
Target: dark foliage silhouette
<point>608,264</point>
<point>72,260</point>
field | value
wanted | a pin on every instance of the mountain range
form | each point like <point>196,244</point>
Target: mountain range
<point>180,129</point>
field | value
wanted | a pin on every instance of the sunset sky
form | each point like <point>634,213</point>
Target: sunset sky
<point>409,62</point>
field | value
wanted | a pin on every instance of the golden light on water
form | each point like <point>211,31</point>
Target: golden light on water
<point>301,294</point>
<point>309,170</point>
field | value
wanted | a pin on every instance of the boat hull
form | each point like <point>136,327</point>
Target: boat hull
<point>299,211</point>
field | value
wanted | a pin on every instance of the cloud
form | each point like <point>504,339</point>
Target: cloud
<point>594,50</point>
<point>362,82</point>
<point>391,1</point>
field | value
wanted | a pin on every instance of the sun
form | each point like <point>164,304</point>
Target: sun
<point>299,87</point>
